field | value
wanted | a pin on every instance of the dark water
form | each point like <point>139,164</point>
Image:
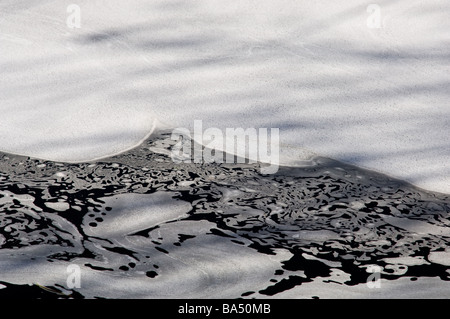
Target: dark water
<point>330,217</point>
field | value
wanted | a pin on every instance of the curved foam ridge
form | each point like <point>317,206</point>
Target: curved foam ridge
<point>138,225</point>
<point>373,96</point>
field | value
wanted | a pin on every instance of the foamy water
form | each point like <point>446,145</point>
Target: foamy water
<point>137,225</point>
<point>94,186</point>
<point>332,83</point>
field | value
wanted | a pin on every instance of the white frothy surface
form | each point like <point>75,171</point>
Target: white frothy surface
<point>205,267</point>
<point>377,98</point>
<point>172,231</point>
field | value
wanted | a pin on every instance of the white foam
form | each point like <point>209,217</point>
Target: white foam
<point>440,257</point>
<point>326,288</point>
<point>377,98</point>
<point>60,206</point>
<point>134,212</point>
<point>417,226</point>
<point>205,267</point>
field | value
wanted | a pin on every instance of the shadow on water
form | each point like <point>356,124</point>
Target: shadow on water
<point>329,216</point>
